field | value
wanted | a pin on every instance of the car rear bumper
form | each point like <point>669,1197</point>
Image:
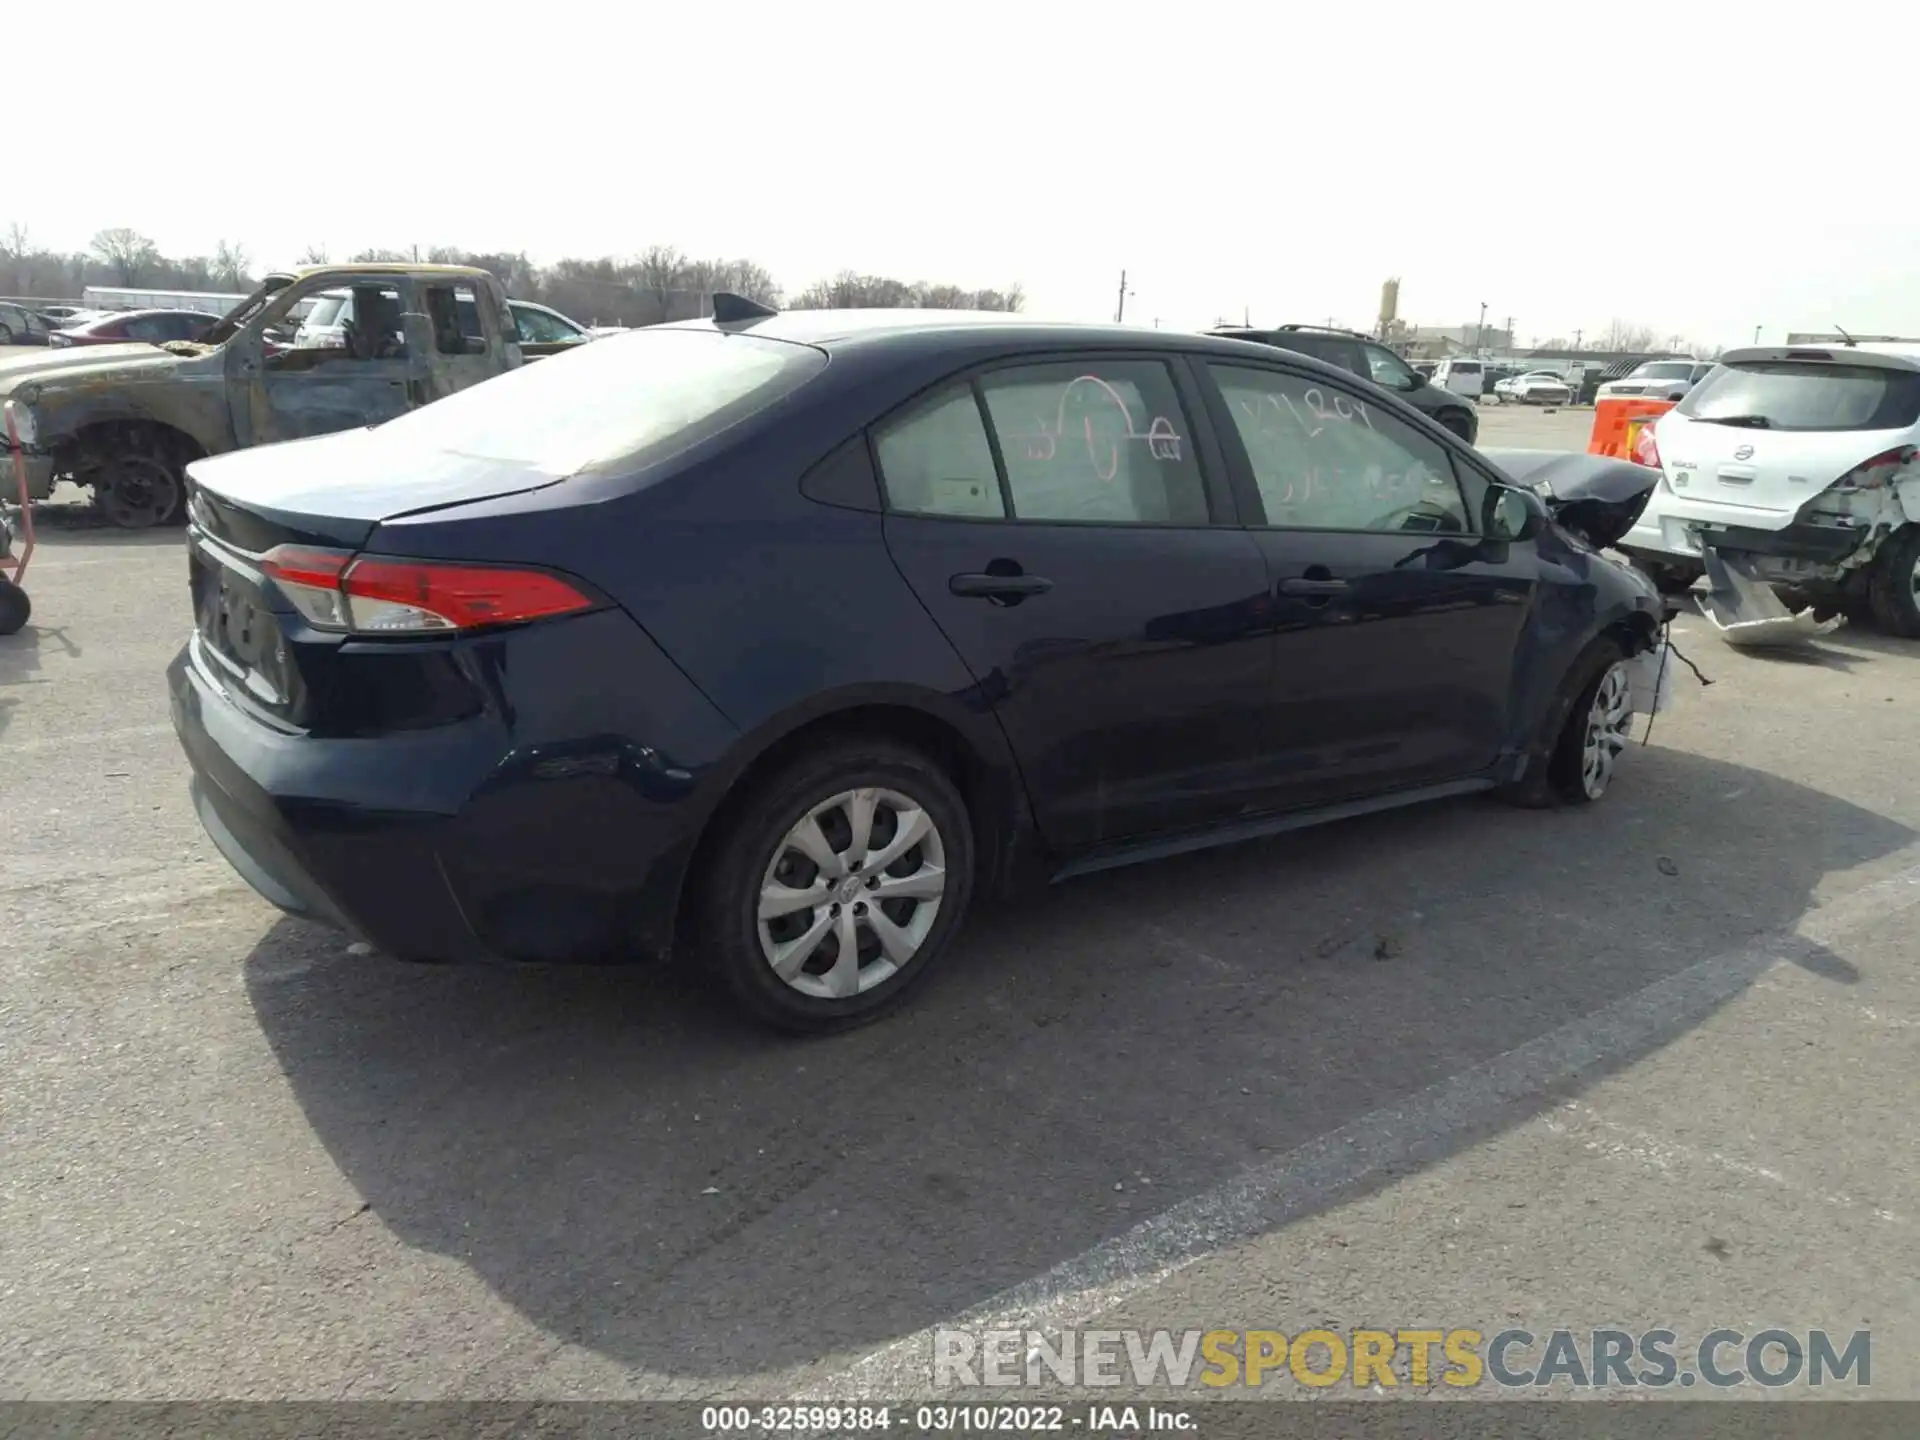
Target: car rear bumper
<point>447,845</point>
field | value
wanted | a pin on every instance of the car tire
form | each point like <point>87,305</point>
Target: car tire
<point>1893,588</point>
<point>6,334</point>
<point>1585,718</point>
<point>137,488</point>
<point>766,858</point>
<point>15,607</point>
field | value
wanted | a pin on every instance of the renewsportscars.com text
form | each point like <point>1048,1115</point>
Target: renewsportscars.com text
<point>1418,1358</point>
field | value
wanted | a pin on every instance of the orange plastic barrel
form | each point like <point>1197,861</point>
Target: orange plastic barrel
<point>1617,424</point>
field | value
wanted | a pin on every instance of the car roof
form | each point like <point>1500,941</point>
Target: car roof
<point>1874,356</point>
<point>972,330</point>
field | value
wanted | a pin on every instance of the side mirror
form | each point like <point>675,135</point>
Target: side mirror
<point>1512,515</point>
<point>1415,380</point>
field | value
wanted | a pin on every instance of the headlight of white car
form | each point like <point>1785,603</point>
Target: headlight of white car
<point>19,420</point>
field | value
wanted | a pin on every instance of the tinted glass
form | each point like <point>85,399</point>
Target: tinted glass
<point>539,328</point>
<point>935,458</point>
<point>1807,395</point>
<point>326,311</point>
<point>151,328</point>
<point>1388,369</point>
<point>1326,460</point>
<point>1101,440</point>
<point>1466,367</point>
<point>643,394</point>
<point>1665,370</point>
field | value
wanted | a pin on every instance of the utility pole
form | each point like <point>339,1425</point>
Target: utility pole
<point>1480,341</point>
<point>1756,334</point>
<point>1510,344</point>
<point>1576,338</point>
<point>1120,309</point>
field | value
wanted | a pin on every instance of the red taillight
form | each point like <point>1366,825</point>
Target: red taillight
<point>401,595</point>
<point>1645,450</point>
<point>383,595</point>
<point>1872,474</point>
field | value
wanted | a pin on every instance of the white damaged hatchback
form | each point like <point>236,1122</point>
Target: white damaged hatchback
<point>1789,480</point>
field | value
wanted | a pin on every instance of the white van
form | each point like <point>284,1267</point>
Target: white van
<point>1463,377</point>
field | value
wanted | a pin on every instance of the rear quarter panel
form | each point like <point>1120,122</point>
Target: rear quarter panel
<point>780,609</point>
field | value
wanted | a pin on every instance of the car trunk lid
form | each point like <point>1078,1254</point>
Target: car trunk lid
<point>335,489</point>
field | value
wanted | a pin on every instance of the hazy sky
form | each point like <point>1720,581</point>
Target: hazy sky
<point>1697,168</point>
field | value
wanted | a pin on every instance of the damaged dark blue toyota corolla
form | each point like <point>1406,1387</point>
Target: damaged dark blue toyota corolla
<point>772,639</point>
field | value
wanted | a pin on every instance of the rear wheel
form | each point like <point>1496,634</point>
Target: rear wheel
<point>15,607</point>
<point>6,334</point>
<point>1588,732</point>
<point>838,885</point>
<point>1893,588</point>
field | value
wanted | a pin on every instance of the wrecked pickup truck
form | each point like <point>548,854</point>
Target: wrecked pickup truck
<point>126,420</point>
<point>1790,480</point>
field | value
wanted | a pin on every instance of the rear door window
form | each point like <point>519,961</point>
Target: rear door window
<point>1100,440</point>
<point>1806,395</point>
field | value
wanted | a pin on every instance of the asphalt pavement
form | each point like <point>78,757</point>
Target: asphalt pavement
<point>1644,1065</point>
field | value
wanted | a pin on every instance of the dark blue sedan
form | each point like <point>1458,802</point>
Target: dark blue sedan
<point>776,638</point>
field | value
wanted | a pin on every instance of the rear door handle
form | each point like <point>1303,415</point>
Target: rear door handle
<point>1002,588</point>
<point>1313,587</point>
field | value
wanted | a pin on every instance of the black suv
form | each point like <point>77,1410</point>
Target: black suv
<point>1370,360</point>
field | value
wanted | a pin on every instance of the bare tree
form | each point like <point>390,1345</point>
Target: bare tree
<point>230,266</point>
<point>1622,336</point>
<point>315,255</point>
<point>660,274</point>
<point>16,245</point>
<point>127,254</point>
<point>381,257</point>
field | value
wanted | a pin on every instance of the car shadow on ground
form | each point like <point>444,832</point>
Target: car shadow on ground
<point>640,1173</point>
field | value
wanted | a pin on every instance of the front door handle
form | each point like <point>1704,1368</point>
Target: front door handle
<point>1313,587</point>
<point>1001,589</point>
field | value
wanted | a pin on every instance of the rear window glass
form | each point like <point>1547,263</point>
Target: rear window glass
<point>1806,395</point>
<point>642,394</point>
<point>1466,367</point>
<point>1664,370</point>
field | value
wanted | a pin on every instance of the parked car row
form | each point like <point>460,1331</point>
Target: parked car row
<point>497,680</point>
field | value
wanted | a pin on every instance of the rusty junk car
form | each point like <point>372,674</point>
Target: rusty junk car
<point>126,420</point>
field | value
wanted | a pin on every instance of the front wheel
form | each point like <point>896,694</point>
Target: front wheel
<point>838,885</point>
<point>1893,587</point>
<point>137,489</point>
<point>1587,736</point>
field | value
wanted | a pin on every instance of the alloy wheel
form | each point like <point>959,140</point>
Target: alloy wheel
<point>851,893</point>
<point>1609,720</point>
